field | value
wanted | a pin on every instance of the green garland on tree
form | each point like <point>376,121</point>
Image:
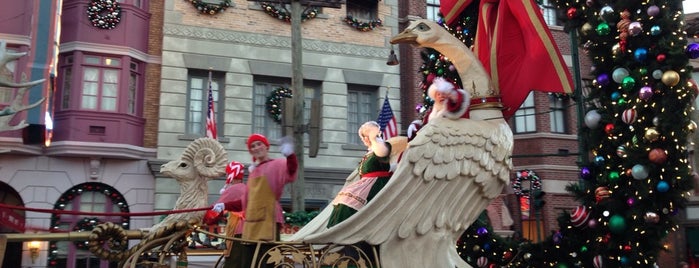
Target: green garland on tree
<point>274,102</point>
<point>285,15</point>
<point>210,8</point>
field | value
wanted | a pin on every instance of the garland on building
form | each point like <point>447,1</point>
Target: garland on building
<point>363,26</point>
<point>526,175</point>
<point>275,101</point>
<point>209,8</point>
<point>285,15</point>
<point>104,14</point>
<point>111,194</point>
<point>85,225</point>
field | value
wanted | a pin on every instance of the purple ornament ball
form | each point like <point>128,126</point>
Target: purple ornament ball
<point>645,93</point>
<point>603,79</point>
<point>482,231</point>
<point>653,11</point>
<point>585,173</point>
<point>693,50</point>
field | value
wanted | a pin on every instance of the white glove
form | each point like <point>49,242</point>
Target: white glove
<point>287,147</point>
<point>413,128</point>
<point>218,207</point>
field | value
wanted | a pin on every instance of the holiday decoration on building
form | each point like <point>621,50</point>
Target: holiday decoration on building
<point>104,14</point>
<point>529,176</point>
<point>363,26</point>
<point>86,224</point>
<point>282,13</point>
<point>274,102</point>
<point>208,7</point>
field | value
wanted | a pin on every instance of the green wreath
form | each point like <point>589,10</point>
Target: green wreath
<point>528,175</point>
<point>85,225</point>
<point>274,102</point>
<point>285,15</point>
<point>104,14</point>
<point>208,8</point>
<point>363,26</point>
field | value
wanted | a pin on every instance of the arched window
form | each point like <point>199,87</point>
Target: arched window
<point>86,197</point>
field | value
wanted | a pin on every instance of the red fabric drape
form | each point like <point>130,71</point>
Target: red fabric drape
<point>517,49</point>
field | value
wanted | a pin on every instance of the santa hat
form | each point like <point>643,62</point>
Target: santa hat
<point>234,172</point>
<point>439,84</point>
<point>257,137</point>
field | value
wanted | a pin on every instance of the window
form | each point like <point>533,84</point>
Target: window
<point>197,108</point>
<point>557,114</point>
<point>100,83</point>
<point>550,13</point>
<point>262,121</point>
<point>361,107</point>
<point>433,10</point>
<point>134,85</point>
<point>86,197</point>
<point>362,9</point>
<point>525,117</point>
<point>67,73</point>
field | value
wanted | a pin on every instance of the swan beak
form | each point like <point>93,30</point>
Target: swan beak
<point>406,36</point>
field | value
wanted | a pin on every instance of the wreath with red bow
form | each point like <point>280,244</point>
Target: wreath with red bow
<point>526,175</point>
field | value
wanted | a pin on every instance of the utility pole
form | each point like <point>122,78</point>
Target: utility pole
<point>297,188</point>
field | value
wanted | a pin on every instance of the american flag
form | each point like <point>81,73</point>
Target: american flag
<point>211,114</point>
<point>387,120</point>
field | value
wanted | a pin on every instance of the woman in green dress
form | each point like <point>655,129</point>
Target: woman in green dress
<point>374,171</point>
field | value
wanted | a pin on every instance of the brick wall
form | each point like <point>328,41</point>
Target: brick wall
<point>247,16</point>
<point>151,95</point>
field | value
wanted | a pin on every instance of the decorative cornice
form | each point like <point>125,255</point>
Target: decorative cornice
<point>77,149</point>
<point>118,50</point>
<point>191,32</point>
<point>14,39</point>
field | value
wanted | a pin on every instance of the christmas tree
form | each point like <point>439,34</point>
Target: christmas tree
<point>636,124</point>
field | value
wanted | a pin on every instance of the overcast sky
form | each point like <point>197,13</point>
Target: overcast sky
<point>691,6</point>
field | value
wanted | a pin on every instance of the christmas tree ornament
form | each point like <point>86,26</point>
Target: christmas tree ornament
<point>657,156</point>
<point>598,262</point>
<point>692,126</point>
<point>660,57</point>
<point>617,224</point>
<point>609,129</point>
<point>640,54</point>
<point>602,193</point>
<point>603,79</point>
<point>629,116</point>
<point>592,119</point>
<point>651,217</point>
<point>613,176</point>
<point>482,262</point>
<point>639,172</point>
<point>635,28</point>
<point>670,78</point>
<point>599,160</point>
<point>662,187</point>
<point>693,50</point>
<point>645,93</point>
<point>655,30</point>
<point>579,216</point>
<point>592,223</point>
<point>607,14</point>
<point>571,13</point>
<point>653,11</point>
<point>603,29</point>
<point>651,134</point>
<point>619,74</point>
<point>630,201</point>
<point>615,96</point>
<point>585,173</point>
<point>657,74</point>
<point>628,83</point>
<point>621,151</point>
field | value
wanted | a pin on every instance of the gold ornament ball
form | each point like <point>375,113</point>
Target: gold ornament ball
<point>692,126</point>
<point>670,78</point>
<point>652,134</point>
<point>586,28</point>
<point>476,248</point>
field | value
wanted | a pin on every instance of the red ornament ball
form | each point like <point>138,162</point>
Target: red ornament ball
<point>657,156</point>
<point>571,12</point>
<point>609,128</point>
<point>660,58</point>
<point>579,216</point>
